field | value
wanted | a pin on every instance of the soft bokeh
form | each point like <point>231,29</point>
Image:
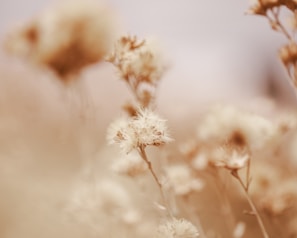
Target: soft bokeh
<point>53,151</point>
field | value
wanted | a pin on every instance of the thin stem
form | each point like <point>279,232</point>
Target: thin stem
<point>141,150</point>
<point>133,86</point>
<point>251,203</point>
<point>279,24</point>
<point>292,79</point>
<point>248,179</point>
<point>226,208</point>
<point>149,164</point>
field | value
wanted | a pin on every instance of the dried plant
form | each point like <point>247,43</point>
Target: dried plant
<point>235,176</point>
<point>272,11</point>
<point>140,65</point>
<point>65,38</point>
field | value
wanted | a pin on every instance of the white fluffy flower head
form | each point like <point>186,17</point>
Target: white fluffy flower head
<point>145,129</point>
<point>177,228</point>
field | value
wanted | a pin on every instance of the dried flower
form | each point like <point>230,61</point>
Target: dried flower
<point>279,197</point>
<point>91,203</point>
<point>177,228</point>
<point>200,161</point>
<point>288,54</point>
<point>147,128</point>
<point>228,124</point>
<point>181,180</point>
<point>229,158</point>
<point>260,7</point>
<point>290,4</point>
<point>65,38</point>
<point>140,60</point>
<point>141,65</point>
<point>131,165</point>
<point>239,230</point>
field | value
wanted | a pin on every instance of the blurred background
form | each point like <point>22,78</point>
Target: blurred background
<point>217,52</point>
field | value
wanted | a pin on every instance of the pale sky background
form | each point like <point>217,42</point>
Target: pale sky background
<point>217,51</point>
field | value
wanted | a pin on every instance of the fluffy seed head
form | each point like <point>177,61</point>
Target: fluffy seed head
<point>138,60</point>
<point>177,228</point>
<point>147,128</point>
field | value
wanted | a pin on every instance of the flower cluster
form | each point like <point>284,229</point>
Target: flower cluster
<point>271,9</point>
<point>261,7</point>
<point>141,65</point>
<point>146,129</point>
<point>138,60</point>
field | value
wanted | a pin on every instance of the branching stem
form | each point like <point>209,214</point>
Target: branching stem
<point>277,22</point>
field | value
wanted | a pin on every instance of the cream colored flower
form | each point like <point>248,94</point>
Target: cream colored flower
<point>230,158</point>
<point>147,128</point>
<point>177,228</point>
<point>239,230</point>
<point>224,123</point>
<point>131,165</point>
<point>200,161</point>
<point>150,129</point>
<point>181,180</point>
<point>141,61</point>
<point>122,132</point>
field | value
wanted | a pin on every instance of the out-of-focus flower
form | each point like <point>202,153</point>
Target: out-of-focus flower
<point>181,180</point>
<point>66,37</point>
<point>229,158</point>
<point>131,165</point>
<point>177,228</point>
<point>228,124</point>
<point>260,7</point>
<point>94,202</point>
<point>279,197</point>
<point>288,53</point>
<point>239,230</point>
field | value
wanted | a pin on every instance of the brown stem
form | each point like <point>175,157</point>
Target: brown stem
<point>133,86</point>
<point>251,203</point>
<point>276,20</point>
<point>292,78</point>
<point>141,150</point>
<point>248,179</point>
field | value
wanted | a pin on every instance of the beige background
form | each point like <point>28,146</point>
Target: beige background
<point>217,52</point>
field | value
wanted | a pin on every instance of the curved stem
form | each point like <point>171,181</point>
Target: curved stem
<point>251,203</point>
<point>141,151</point>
